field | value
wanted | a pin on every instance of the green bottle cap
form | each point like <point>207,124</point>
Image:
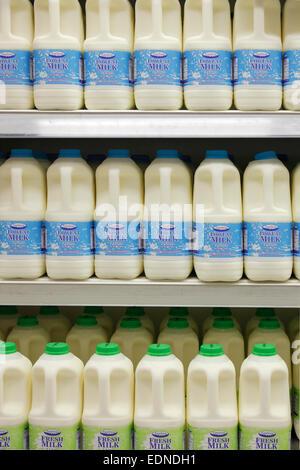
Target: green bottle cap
<point>264,349</point>
<point>223,323</point>
<point>27,321</point>
<point>93,310</point>
<point>269,324</point>
<point>221,312</point>
<point>7,347</point>
<point>86,320</point>
<point>107,349</point>
<point>135,312</point>
<point>179,312</point>
<point>211,350</point>
<point>49,310</point>
<point>178,323</point>
<point>159,350</point>
<point>8,310</point>
<point>57,349</point>
<point>265,312</point>
<point>130,323</point>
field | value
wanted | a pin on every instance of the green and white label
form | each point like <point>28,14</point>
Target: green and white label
<point>296,402</point>
<point>96,438</point>
<point>42,438</point>
<point>159,439</point>
<point>265,439</point>
<point>14,437</point>
<point>212,439</point>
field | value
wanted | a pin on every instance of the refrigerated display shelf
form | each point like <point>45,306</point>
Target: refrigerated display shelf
<point>144,124</point>
<point>142,292</point>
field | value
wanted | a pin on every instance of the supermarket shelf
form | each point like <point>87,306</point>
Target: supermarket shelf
<point>140,124</point>
<point>190,293</point>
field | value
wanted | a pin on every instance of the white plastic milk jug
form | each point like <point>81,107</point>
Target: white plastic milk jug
<point>103,319</point>
<point>133,339</point>
<point>218,312</point>
<point>55,323</point>
<point>180,312</point>
<point>108,54</point>
<point>139,312</point>
<point>267,219</point>
<point>257,55</point>
<point>84,336</point>
<point>118,217</point>
<point>291,54</point>
<point>207,63</point>
<point>296,383</point>
<point>218,247</point>
<point>16,35</point>
<point>168,218</point>
<point>157,55</point>
<point>29,337</point>
<point>22,212</point>
<point>57,52</point>
<point>212,415</point>
<point>57,383</point>
<point>254,321</point>
<point>15,398</point>
<point>264,401</point>
<point>8,318</point>
<point>159,416</point>
<point>69,217</point>
<point>107,417</point>
<point>296,217</point>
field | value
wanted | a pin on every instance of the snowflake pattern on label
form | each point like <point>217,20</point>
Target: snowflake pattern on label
<point>203,67</point>
<point>118,239</point>
<point>264,439</point>
<point>212,439</point>
<point>157,67</point>
<point>96,438</point>
<point>167,238</point>
<point>218,240</point>
<point>110,68</point>
<point>257,67</point>
<point>268,240</point>
<point>42,438</point>
<point>16,67</point>
<point>23,238</point>
<point>69,238</point>
<point>159,439</point>
<point>291,67</point>
<point>62,67</point>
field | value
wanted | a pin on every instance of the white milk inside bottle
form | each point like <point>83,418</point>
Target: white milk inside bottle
<point>218,246</point>
<point>179,312</point>
<point>267,219</point>
<point>157,55</point>
<point>108,54</point>
<point>207,63</point>
<point>107,417</point>
<point>291,54</point>
<point>296,384</point>
<point>69,217</point>
<point>57,383</point>
<point>269,331</point>
<point>22,212</point>
<point>219,312</point>
<point>55,323</point>
<point>168,218</point>
<point>159,415</point>
<point>224,332</point>
<point>296,217</point>
<point>15,386</point>
<point>133,339</point>
<point>42,159</point>
<point>16,35</point>
<point>8,319</point>
<point>29,337</point>
<point>84,336</point>
<point>257,55</point>
<point>182,339</point>
<point>255,320</point>
<point>57,53</point>
<point>264,401</point>
<point>94,160</point>
<point>103,319</point>
<point>212,415</point>
<point>139,312</point>
<point>118,217</point>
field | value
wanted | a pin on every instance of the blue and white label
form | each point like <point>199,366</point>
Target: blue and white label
<point>62,67</point>
<point>157,67</point>
<point>297,239</point>
<point>202,67</point>
<point>69,238</point>
<point>110,68</point>
<point>167,239</point>
<point>268,240</point>
<point>291,67</point>
<point>16,67</point>
<point>24,238</point>
<point>257,67</point>
<point>218,240</point>
<point>118,238</point>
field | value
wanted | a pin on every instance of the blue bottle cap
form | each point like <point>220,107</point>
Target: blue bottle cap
<point>21,153</point>
<point>265,155</point>
<point>118,153</point>
<point>216,154</point>
<point>69,153</point>
<point>167,154</point>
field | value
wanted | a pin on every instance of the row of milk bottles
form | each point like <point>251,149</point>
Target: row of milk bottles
<point>110,409</point>
<point>158,229</point>
<point>57,39</point>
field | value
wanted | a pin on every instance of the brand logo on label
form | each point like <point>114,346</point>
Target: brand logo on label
<point>270,228</point>
<point>160,434</point>
<point>3,433</point>
<point>116,226</point>
<point>267,434</point>
<point>167,227</point>
<point>18,226</point>
<point>218,433</point>
<point>52,433</point>
<point>108,433</point>
<point>7,55</point>
<point>107,55</point>
<point>68,227</point>
<point>210,55</point>
<point>158,55</point>
<point>261,55</point>
<point>57,54</point>
<point>221,228</point>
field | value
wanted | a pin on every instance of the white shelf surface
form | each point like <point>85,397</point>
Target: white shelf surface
<point>141,124</point>
<point>142,292</point>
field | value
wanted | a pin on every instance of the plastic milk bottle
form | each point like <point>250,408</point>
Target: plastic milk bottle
<point>159,416</point>
<point>107,417</point>
<point>259,315</point>
<point>168,218</point>
<point>55,323</point>
<point>257,55</point>
<point>15,397</point>
<point>54,419</point>
<point>264,401</point>
<point>8,318</point>
<point>218,247</point>
<point>157,55</point>
<point>139,312</point>
<point>267,219</point>
<point>291,54</point>
<point>207,63</point>
<point>133,339</point>
<point>218,312</point>
<point>103,319</point>
<point>296,217</point>
<point>69,217</point>
<point>84,337</point>
<point>179,312</point>
<point>108,54</point>
<point>212,414</point>
<point>296,383</point>
<point>57,52</point>
<point>118,217</point>
<point>22,212</point>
